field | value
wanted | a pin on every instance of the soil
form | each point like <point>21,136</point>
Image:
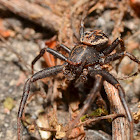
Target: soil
<point>19,48</point>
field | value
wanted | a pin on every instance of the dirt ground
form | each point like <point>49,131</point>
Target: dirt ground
<point>19,37</point>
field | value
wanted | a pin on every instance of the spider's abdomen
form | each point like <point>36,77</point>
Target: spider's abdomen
<point>95,38</point>
<point>84,54</point>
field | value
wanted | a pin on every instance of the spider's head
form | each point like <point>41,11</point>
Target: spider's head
<point>71,71</point>
<point>68,73</point>
<point>94,38</point>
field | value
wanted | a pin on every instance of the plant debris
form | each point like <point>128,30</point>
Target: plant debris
<point>24,25</point>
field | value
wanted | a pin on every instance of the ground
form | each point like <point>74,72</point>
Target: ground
<point>20,45</point>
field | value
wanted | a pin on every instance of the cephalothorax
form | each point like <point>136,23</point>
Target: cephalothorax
<point>86,59</point>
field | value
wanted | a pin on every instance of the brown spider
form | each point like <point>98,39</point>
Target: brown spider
<point>86,59</point>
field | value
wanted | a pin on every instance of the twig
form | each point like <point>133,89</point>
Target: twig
<point>120,126</point>
<point>33,12</point>
<point>111,116</point>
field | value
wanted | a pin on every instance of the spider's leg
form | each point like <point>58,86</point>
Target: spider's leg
<point>57,54</point>
<point>37,58</point>
<point>92,96</point>
<point>132,57</point>
<point>109,49</point>
<point>82,31</point>
<point>53,52</point>
<point>111,79</point>
<point>65,48</point>
<point>61,57</point>
<point>42,53</point>
<point>39,75</point>
<point>116,56</point>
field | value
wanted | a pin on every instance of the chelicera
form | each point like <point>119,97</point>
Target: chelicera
<point>87,58</point>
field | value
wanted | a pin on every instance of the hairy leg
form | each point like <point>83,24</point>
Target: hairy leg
<point>116,56</point>
<point>65,48</point>
<point>53,52</point>
<point>119,55</point>
<point>92,96</point>
<point>39,75</point>
<point>111,79</point>
<point>82,31</point>
<point>109,49</point>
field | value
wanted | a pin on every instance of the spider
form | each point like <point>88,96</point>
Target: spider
<point>86,59</point>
